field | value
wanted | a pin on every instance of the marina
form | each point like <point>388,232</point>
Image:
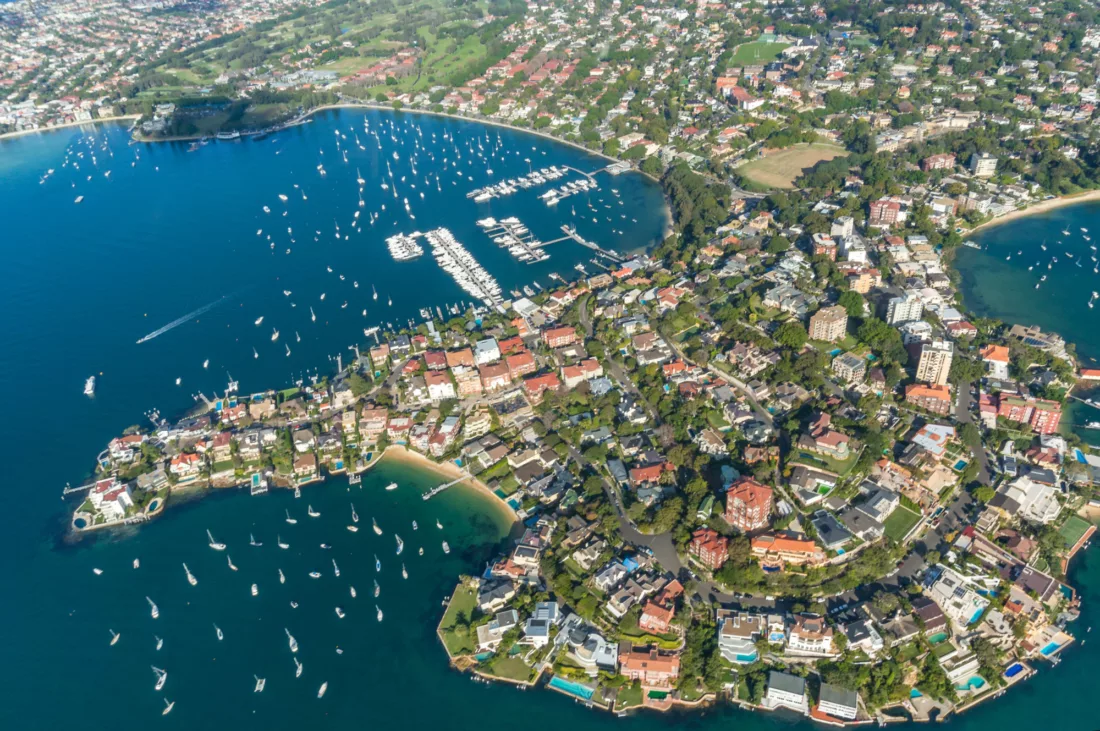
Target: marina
<point>404,247</point>
<point>512,185</point>
<point>454,259</point>
<point>510,233</point>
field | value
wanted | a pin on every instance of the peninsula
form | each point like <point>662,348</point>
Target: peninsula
<point>772,461</point>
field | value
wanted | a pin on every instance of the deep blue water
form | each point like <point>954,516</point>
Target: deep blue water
<point>82,282</point>
<point>997,282</point>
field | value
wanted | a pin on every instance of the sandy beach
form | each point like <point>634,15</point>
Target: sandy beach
<point>1090,513</point>
<point>1042,207</point>
<point>447,470</point>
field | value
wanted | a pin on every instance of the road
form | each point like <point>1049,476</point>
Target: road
<point>964,415</point>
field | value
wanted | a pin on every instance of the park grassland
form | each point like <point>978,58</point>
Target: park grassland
<point>780,169</point>
<point>756,52</point>
<point>462,604</point>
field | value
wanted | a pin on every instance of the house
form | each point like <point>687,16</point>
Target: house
<point>810,636</point>
<point>305,466</point>
<point>489,635</point>
<point>651,667</point>
<point>929,614</point>
<point>737,635</point>
<point>574,375</point>
<point>495,377</point>
<point>521,364</point>
<point>460,358</point>
<point>537,629</point>
<point>786,691</point>
<point>535,387</point>
<point>492,596</point>
<point>838,702</point>
<point>957,598</point>
<point>748,505</point>
<point>710,548</point>
<point>111,499</point>
<point>559,337</point>
<point>824,440</point>
<point>996,359</point>
<point>372,424</point>
<point>439,385</point>
<point>936,399</point>
<point>304,440</point>
<point>655,618</point>
<point>1027,499</point>
<point>185,465</point>
<point>486,351</point>
<point>862,635</point>
<point>776,550</point>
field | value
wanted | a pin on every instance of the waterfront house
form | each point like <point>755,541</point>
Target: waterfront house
<point>837,702</point>
<point>492,596</point>
<point>786,691</point>
<point>737,635</point>
<point>957,597</point>
<point>651,667</point>
<point>810,636</point>
<point>489,635</point>
<point>304,440</point>
<point>372,424</point>
<point>305,467</point>
<point>111,499</point>
<point>185,465</point>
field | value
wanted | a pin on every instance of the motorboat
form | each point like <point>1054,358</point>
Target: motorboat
<point>314,574</point>
<point>391,486</point>
<point>322,689</point>
<point>218,632</point>
<point>339,612</point>
<point>446,548</point>
<point>255,590</point>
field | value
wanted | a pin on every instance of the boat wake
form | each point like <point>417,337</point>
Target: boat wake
<point>180,320</point>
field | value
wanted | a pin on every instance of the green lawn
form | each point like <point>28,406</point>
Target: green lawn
<point>756,52</point>
<point>900,522</point>
<point>840,466</point>
<point>463,601</point>
<point>1073,530</point>
<point>511,668</point>
<point>629,697</point>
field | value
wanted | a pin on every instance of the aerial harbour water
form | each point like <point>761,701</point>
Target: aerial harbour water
<point>85,281</point>
<point>1042,270</point>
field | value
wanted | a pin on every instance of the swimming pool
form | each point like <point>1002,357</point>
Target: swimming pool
<point>976,682</point>
<point>938,638</point>
<point>568,686</point>
<point>914,693</point>
<point>1013,670</point>
<point>960,465</point>
<point>1049,648</point>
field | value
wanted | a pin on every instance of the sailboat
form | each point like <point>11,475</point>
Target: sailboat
<point>415,526</point>
<point>297,668</point>
<point>161,677</point>
<point>312,315</point>
<point>374,525</point>
<point>404,572</point>
<point>160,642</point>
<point>253,542</point>
<point>279,542</point>
<point>290,520</point>
<point>153,611</point>
<point>137,563</point>
<point>114,636</point>
<point>400,544</point>
<point>291,641</point>
<point>282,579</point>
<point>374,292</point>
<point>354,515</point>
<point>391,486</point>
<point>190,576</point>
<point>218,632</point>
<point>335,568</point>
<point>438,524</point>
<point>339,612</point>
<point>214,544</point>
<point>377,564</point>
<point>379,612</point>
<point>261,683</point>
<point>167,707</point>
<point>312,513</point>
<point>351,590</point>
<point>229,560</point>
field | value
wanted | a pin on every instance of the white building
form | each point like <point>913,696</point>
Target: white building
<point>737,636</point>
<point>1027,499</point>
<point>983,165</point>
<point>957,598</point>
<point>935,362</point>
<point>786,691</point>
<point>486,351</point>
<point>904,309</point>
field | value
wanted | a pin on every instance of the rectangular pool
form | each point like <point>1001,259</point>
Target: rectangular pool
<point>1049,648</point>
<point>568,686</point>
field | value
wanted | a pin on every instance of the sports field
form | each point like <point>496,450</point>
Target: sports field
<point>781,169</point>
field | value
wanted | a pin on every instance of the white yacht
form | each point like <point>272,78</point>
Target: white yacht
<point>438,524</point>
<point>351,590</point>
<point>446,548</point>
<point>259,320</point>
<point>280,544</point>
<point>290,520</point>
<point>190,576</point>
<point>415,526</point>
<point>354,515</point>
<point>253,542</point>
<point>400,544</point>
<point>353,528</point>
<point>260,684</point>
<point>374,526</point>
<point>160,642</point>
<point>114,636</point>
<point>322,689</point>
<point>290,639</point>
<point>379,612</point>
<point>214,544</point>
<point>391,486</point>
<point>229,560</point>
<point>339,612</point>
<point>153,611</point>
<point>377,589</point>
<point>97,572</point>
<point>167,707</point>
<point>282,579</point>
<point>335,568</point>
<point>137,563</point>
<point>255,590</point>
<point>161,677</point>
<point>218,632</point>
<point>89,386</point>
<point>314,574</point>
<point>312,513</point>
<point>297,668</point>
<point>404,572</point>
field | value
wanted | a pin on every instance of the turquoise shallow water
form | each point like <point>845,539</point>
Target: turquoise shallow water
<point>78,282</point>
<point>996,282</point>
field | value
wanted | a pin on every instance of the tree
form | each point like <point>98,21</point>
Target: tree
<point>984,493</point>
<point>778,244</point>
<point>359,385</point>
<point>852,303</point>
<point>792,335</point>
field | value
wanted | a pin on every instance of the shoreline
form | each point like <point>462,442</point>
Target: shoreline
<point>1046,206</point>
<point>66,125</point>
